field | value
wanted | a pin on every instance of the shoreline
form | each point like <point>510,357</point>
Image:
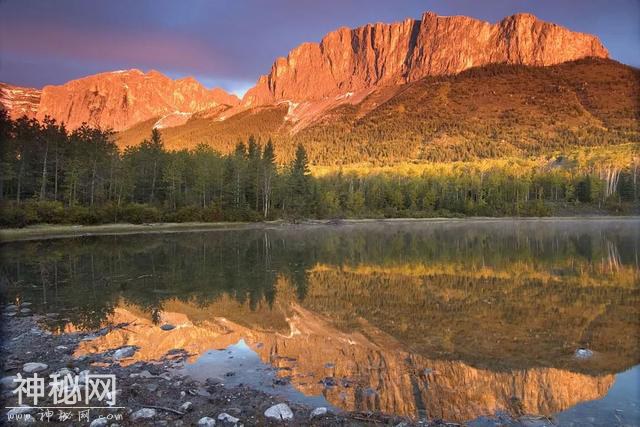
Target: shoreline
<point>148,393</point>
<point>54,231</point>
<point>155,392</point>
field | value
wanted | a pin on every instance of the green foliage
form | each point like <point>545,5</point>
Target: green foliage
<point>52,176</point>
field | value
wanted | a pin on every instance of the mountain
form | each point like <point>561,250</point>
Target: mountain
<point>437,88</point>
<point>351,60</point>
<point>19,101</point>
<point>487,111</point>
<point>121,99</point>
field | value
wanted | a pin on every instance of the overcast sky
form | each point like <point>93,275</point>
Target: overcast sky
<point>230,43</point>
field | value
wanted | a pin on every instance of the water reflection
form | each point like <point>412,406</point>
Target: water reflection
<point>448,320</point>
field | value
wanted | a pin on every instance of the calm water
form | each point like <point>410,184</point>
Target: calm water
<point>457,320</point>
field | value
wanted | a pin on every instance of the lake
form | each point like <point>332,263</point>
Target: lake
<point>459,320</point>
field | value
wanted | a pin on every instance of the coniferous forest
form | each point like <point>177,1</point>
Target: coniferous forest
<point>51,175</point>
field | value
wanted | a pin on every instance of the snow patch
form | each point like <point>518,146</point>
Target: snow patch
<point>345,95</point>
<point>290,116</point>
<point>172,119</point>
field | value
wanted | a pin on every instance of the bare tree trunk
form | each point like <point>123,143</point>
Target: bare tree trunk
<point>20,172</point>
<point>635,177</point>
<point>43,184</point>
<point>153,181</point>
<point>55,178</point>
<point>93,180</point>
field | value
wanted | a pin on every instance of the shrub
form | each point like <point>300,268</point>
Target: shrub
<point>139,214</point>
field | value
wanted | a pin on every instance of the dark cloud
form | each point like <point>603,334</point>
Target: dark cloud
<point>231,43</point>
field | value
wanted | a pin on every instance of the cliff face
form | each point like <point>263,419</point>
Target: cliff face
<point>350,60</point>
<point>120,99</point>
<point>19,101</point>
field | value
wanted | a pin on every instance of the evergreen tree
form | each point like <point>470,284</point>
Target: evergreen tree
<point>300,183</point>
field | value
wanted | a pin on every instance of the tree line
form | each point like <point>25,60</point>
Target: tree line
<point>52,175</point>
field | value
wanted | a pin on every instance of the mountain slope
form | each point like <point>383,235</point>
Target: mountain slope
<point>483,112</point>
<point>351,60</point>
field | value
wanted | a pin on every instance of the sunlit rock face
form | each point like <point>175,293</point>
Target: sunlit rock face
<point>351,60</point>
<point>121,99</point>
<point>19,101</point>
<point>370,370</point>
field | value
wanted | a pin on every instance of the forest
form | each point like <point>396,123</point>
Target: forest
<point>52,175</point>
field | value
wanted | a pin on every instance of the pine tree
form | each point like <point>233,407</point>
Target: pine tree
<point>300,183</point>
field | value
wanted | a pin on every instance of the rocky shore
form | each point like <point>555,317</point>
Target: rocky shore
<point>146,393</point>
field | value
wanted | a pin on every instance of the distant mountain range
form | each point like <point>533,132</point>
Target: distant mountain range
<point>437,87</point>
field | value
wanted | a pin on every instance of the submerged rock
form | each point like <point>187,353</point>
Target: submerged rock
<point>167,327</point>
<point>279,412</point>
<point>124,352</point>
<point>186,406</point>
<point>583,353</point>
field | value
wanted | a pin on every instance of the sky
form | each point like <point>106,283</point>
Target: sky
<point>229,44</point>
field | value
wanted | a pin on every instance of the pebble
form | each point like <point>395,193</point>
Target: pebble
<point>167,327</point>
<point>33,367</point>
<point>279,412</point>
<point>186,406</point>
<point>25,311</point>
<point>99,422</point>
<point>206,422</point>
<point>318,412</point>
<point>142,374</point>
<point>226,418</point>
<point>143,414</point>
<point>62,347</point>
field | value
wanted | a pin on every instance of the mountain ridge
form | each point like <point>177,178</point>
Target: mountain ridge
<point>350,60</point>
<point>120,99</point>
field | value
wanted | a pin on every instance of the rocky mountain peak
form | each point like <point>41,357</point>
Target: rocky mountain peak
<point>123,98</point>
<point>351,60</point>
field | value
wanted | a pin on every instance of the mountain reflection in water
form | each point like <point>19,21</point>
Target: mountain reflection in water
<point>449,320</point>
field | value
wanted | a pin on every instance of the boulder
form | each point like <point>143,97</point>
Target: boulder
<point>206,422</point>
<point>226,418</point>
<point>318,412</point>
<point>279,412</point>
